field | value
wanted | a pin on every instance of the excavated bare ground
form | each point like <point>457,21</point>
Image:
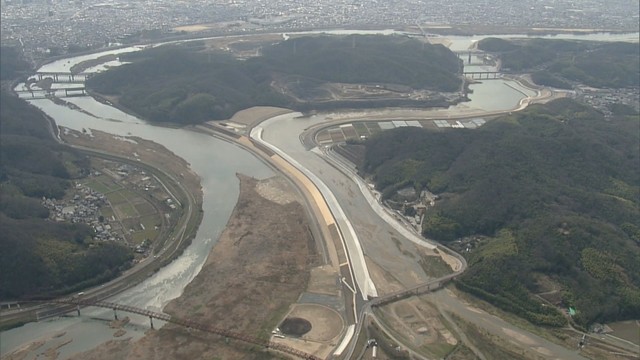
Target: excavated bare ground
<point>258,268</point>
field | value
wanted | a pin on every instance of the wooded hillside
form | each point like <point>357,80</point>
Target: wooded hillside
<point>186,84</point>
<point>40,257</point>
<point>558,63</point>
<point>555,188</point>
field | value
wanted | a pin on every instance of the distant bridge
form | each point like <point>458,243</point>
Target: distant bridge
<point>468,53</point>
<point>483,75</point>
<point>68,305</point>
<point>44,94</point>
<point>60,77</point>
<point>416,290</point>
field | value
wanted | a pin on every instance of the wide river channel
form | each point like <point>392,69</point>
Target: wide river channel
<point>216,162</point>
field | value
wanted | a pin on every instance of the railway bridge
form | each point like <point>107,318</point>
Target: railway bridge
<point>416,290</point>
<point>68,305</point>
<point>62,77</point>
<point>43,94</point>
<point>482,75</point>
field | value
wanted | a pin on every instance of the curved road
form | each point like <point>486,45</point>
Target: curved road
<point>384,244</point>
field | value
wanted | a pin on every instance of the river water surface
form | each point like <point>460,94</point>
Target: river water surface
<point>216,162</point>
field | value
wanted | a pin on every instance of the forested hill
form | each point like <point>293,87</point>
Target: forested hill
<point>40,257</point>
<point>365,59</point>
<point>13,65</point>
<point>556,190</point>
<point>187,83</point>
<point>561,63</point>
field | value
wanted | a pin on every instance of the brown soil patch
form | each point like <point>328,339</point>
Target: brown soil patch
<point>419,322</point>
<point>278,190</point>
<point>323,280</point>
<point>258,268</point>
<point>52,353</point>
<point>118,324</point>
<point>23,352</point>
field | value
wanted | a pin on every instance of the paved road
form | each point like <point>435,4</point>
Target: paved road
<point>387,249</point>
<point>346,231</point>
<point>384,248</point>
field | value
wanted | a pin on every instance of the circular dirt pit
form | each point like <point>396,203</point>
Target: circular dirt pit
<point>295,326</point>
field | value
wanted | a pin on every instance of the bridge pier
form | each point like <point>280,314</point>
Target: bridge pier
<point>78,309</point>
<point>151,321</point>
<point>115,314</point>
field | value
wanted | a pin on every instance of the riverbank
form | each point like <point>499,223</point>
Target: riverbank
<point>141,150</point>
<point>258,268</point>
<point>166,167</point>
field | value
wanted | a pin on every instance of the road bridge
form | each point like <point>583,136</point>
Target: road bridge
<point>469,54</point>
<point>61,77</point>
<point>483,75</point>
<point>43,94</point>
<point>68,305</point>
<point>416,290</point>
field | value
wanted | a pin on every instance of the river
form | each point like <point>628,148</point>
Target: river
<point>216,162</point>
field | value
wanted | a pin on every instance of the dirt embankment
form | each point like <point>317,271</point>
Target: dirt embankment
<point>258,268</point>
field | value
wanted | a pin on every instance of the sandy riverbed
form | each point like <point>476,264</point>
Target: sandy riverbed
<point>258,268</point>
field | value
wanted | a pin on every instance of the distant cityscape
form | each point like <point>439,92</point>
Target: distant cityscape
<point>47,27</point>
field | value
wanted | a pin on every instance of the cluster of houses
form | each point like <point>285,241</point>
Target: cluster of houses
<point>602,99</point>
<point>410,207</point>
<point>83,207</point>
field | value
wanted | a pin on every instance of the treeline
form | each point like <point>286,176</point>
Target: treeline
<point>556,188</point>
<point>366,59</point>
<point>185,84</point>
<point>40,257</point>
<point>13,64</point>
<point>33,165</point>
<point>179,84</point>
<point>560,63</point>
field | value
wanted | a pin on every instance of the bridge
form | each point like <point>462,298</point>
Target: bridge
<point>44,94</point>
<point>416,290</point>
<point>468,53</point>
<point>67,305</point>
<point>61,77</point>
<point>64,306</point>
<point>483,75</point>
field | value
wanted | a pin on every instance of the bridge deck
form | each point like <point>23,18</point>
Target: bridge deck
<point>69,304</point>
